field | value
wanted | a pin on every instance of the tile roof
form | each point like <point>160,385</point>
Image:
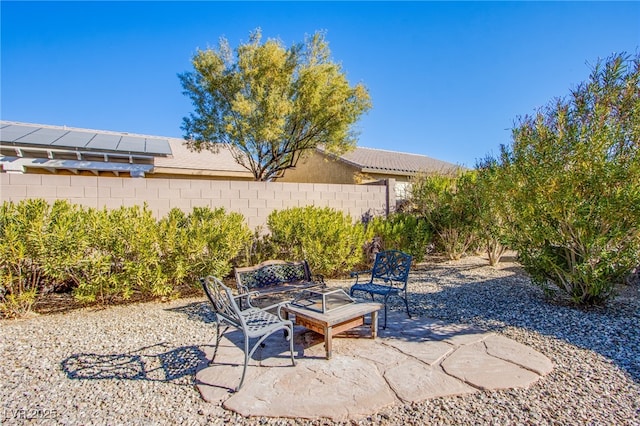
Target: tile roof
<point>381,161</point>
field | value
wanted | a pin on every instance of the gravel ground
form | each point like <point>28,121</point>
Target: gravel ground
<point>135,364</point>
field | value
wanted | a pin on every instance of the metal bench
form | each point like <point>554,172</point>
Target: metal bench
<point>274,277</point>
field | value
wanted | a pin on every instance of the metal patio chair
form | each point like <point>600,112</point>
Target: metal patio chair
<point>388,277</point>
<point>253,322</point>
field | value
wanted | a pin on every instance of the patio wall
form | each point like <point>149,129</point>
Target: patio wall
<point>254,200</point>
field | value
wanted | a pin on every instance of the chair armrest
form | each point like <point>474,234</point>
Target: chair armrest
<point>247,297</point>
<point>318,278</point>
<point>279,308</point>
<point>358,273</point>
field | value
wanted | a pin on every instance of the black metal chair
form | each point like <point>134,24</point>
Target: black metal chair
<point>253,322</point>
<point>388,277</point>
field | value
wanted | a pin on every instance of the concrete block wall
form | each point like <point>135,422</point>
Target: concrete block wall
<point>254,200</point>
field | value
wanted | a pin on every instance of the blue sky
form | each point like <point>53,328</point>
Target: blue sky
<point>447,79</point>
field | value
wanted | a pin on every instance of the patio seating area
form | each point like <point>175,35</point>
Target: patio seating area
<point>412,360</point>
<point>147,363</point>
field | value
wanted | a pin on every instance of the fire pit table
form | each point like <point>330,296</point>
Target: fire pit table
<point>331,312</point>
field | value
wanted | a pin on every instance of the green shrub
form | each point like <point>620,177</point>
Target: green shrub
<point>212,238</point>
<point>493,208</point>
<point>106,255</point>
<point>123,256</point>
<point>22,227</point>
<point>328,239</point>
<point>403,231</point>
<point>444,202</point>
<point>573,174</point>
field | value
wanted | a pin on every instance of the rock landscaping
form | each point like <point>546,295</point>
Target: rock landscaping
<point>136,364</point>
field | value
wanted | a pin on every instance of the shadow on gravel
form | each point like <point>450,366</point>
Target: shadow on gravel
<point>496,304</point>
<point>142,364</point>
<point>197,311</point>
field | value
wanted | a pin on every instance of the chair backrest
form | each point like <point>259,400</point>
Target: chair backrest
<point>392,265</point>
<point>272,272</point>
<point>222,300</point>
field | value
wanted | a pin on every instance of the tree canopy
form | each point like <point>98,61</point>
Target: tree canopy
<point>271,104</point>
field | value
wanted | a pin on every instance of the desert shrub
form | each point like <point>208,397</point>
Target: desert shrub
<point>403,231</point>
<point>573,174</point>
<point>64,242</point>
<point>444,202</point>
<point>123,256</point>
<point>106,255</point>
<point>21,227</point>
<point>208,241</point>
<point>493,209</point>
<point>328,239</point>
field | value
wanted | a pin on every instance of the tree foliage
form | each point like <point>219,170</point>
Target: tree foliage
<point>270,104</point>
<point>573,177</point>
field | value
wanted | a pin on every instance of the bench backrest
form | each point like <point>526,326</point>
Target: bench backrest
<point>272,273</point>
<point>391,266</point>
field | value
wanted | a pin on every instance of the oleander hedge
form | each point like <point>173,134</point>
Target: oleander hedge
<point>108,255</point>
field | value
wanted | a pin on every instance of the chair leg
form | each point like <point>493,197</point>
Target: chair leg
<point>406,303</point>
<point>246,361</point>
<point>289,329</point>
<point>218,338</point>
<point>386,298</point>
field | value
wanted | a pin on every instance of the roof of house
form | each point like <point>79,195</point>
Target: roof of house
<point>69,138</point>
<point>382,161</point>
<point>61,147</point>
<point>171,155</point>
<point>185,159</point>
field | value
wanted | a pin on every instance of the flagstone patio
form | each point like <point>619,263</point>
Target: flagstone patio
<point>412,360</point>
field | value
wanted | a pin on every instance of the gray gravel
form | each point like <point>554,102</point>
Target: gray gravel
<point>135,364</point>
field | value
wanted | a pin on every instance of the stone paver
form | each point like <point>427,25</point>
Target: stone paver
<point>412,360</point>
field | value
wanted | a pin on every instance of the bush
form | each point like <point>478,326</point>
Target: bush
<point>104,255</point>
<point>492,207</point>
<point>328,239</point>
<point>21,230</point>
<point>123,256</point>
<point>403,231</point>
<point>573,175</point>
<point>202,243</point>
<point>444,203</point>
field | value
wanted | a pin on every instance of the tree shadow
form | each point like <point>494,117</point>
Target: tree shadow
<point>146,363</point>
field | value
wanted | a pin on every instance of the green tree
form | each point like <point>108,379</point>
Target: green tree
<point>573,178</point>
<point>270,104</point>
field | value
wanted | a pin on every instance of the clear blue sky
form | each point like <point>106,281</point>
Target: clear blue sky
<point>447,79</point>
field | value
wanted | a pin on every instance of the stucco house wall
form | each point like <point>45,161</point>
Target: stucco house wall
<point>319,168</point>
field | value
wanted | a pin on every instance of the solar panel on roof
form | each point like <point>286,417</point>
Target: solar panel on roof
<point>12,132</point>
<point>42,136</point>
<point>104,142</point>
<point>61,138</point>
<point>132,144</point>
<point>158,146</point>
<point>74,139</point>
